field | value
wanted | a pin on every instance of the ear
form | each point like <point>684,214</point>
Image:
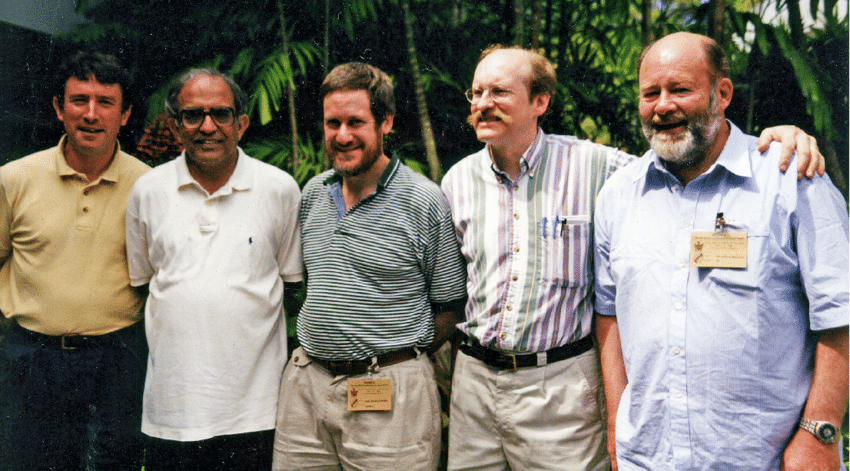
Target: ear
<point>58,107</point>
<point>387,125</point>
<point>126,115</point>
<point>243,124</point>
<point>540,103</point>
<point>724,93</point>
<point>172,126</point>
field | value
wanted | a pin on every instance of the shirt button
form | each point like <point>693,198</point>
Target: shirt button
<point>681,264</point>
<point>514,277</point>
<point>675,187</point>
<point>677,350</point>
<point>679,395</point>
<point>686,224</point>
<point>679,306</point>
<point>504,336</point>
<point>86,192</point>
<point>509,307</point>
<point>516,216</point>
<point>85,210</point>
<point>516,249</point>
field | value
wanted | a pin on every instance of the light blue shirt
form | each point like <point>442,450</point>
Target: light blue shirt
<point>719,360</point>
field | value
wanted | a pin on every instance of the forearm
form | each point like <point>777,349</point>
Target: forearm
<point>828,394</point>
<point>613,366</point>
<point>445,324</point>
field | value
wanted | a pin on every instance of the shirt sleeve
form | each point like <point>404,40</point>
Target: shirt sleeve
<point>605,289</point>
<point>445,269</point>
<point>138,261</point>
<point>820,225</point>
<point>289,249</point>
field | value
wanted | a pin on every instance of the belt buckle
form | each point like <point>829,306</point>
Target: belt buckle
<point>66,346</point>
<point>512,368</point>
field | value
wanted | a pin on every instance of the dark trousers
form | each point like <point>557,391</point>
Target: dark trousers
<point>72,409</point>
<point>244,451</point>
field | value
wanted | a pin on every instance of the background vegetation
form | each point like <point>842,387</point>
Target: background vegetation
<point>785,71</point>
<point>279,51</point>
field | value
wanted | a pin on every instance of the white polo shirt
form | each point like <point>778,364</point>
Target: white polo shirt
<point>214,317</point>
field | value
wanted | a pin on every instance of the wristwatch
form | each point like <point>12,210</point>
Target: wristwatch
<point>825,432</point>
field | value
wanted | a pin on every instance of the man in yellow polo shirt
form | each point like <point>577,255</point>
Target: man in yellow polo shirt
<point>72,365</point>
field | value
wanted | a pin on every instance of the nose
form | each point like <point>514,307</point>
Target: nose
<point>91,114</point>
<point>208,126</point>
<point>485,102</point>
<point>343,135</point>
<point>665,104</point>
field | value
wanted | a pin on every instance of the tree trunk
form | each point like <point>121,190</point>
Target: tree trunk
<point>795,23</point>
<point>717,20</point>
<point>535,24</point>
<point>424,120</point>
<point>290,87</point>
<point>550,29</point>
<point>326,55</point>
<point>646,22</point>
<point>519,31</point>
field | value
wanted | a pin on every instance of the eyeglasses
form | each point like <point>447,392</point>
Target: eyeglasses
<point>499,95</point>
<point>194,117</point>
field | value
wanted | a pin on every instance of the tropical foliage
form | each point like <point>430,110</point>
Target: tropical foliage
<point>280,50</point>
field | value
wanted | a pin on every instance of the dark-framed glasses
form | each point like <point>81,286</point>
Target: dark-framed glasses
<point>499,95</point>
<point>194,117</point>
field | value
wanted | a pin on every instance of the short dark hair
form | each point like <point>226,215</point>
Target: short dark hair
<point>543,80</point>
<point>360,76</point>
<point>718,63</point>
<point>240,101</point>
<point>102,67</point>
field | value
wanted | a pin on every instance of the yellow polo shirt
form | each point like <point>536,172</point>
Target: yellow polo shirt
<point>62,245</point>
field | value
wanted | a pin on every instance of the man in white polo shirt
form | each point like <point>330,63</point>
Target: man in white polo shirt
<point>215,235</point>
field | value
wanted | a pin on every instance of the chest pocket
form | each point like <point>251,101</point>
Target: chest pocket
<point>564,241</point>
<point>743,278</point>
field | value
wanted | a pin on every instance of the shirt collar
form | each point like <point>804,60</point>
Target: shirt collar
<point>65,170</point>
<point>730,157</point>
<point>383,181</point>
<point>240,180</point>
<point>530,158</point>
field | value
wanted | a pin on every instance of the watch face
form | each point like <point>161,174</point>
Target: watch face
<point>827,432</point>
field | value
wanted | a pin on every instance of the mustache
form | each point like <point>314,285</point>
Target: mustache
<point>473,119</point>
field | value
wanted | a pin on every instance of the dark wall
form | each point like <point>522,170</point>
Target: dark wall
<point>27,120</point>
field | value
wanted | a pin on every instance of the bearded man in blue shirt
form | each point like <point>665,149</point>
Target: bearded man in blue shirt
<point>721,287</point>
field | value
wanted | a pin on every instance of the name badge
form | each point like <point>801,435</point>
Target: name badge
<point>722,249</point>
<point>370,395</point>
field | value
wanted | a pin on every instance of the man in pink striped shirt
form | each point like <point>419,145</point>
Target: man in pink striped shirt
<point>527,392</point>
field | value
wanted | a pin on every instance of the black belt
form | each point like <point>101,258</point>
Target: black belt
<point>65,342</point>
<point>510,362</point>
<point>361,367</point>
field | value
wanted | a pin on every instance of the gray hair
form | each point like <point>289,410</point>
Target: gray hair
<point>240,101</point>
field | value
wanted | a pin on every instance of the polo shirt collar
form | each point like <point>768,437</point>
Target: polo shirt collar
<point>730,157</point>
<point>385,179</point>
<point>530,158</point>
<point>241,179</point>
<point>64,170</point>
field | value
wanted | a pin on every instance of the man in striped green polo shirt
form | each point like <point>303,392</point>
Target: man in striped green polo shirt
<point>386,282</point>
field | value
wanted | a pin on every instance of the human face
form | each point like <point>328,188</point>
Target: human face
<point>210,147</point>
<point>353,140</point>
<point>513,117</point>
<point>681,109</point>
<point>91,113</point>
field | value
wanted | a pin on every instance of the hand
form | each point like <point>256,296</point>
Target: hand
<point>809,158</point>
<point>806,453</point>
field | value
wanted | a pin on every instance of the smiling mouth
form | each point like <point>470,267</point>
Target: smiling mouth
<point>669,126</point>
<point>90,130</point>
